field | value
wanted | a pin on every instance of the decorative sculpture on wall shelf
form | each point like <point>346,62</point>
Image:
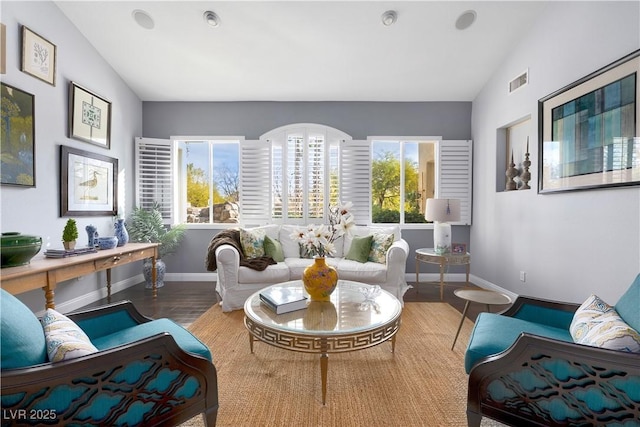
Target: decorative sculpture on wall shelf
<point>526,175</point>
<point>511,173</point>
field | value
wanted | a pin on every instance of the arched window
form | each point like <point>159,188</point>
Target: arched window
<point>305,172</point>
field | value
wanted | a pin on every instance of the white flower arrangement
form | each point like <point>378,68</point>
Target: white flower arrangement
<point>318,240</point>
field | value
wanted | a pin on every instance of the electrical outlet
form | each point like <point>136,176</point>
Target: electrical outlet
<point>523,276</point>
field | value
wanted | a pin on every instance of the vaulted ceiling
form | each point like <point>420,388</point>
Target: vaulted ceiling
<point>304,51</point>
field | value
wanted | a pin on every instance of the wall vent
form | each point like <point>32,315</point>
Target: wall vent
<point>521,80</point>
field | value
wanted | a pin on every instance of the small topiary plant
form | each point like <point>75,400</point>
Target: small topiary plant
<point>70,232</point>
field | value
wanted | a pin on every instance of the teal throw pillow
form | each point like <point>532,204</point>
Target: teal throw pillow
<point>273,248</point>
<point>360,248</point>
<point>23,342</point>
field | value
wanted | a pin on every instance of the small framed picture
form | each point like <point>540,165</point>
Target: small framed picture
<point>89,116</point>
<point>458,248</point>
<point>38,56</point>
<point>88,183</point>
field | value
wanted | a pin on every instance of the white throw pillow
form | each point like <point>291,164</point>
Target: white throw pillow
<point>596,323</point>
<point>65,340</point>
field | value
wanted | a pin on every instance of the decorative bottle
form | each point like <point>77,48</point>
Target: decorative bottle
<point>121,232</point>
<point>320,280</point>
<point>92,232</point>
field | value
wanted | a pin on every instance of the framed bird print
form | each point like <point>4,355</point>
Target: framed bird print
<point>89,116</point>
<point>88,183</point>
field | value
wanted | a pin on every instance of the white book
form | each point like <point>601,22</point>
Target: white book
<point>283,300</point>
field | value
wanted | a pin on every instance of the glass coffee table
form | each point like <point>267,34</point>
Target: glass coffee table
<point>358,316</point>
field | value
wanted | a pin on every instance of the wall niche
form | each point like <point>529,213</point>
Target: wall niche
<point>513,142</point>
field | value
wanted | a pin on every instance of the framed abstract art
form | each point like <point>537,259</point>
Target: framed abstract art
<point>17,138</point>
<point>589,131</point>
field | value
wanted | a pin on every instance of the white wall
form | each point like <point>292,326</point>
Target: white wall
<point>36,211</point>
<point>569,244</point>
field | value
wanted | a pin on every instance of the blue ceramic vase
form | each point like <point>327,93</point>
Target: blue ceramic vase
<point>92,233</point>
<point>121,232</point>
<point>160,270</point>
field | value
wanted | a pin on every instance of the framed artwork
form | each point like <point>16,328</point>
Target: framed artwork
<point>38,56</point>
<point>458,248</point>
<point>3,49</point>
<point>17,143</point>
<point>589,131</point>
<point>88,183</point>
<point>89,116</point>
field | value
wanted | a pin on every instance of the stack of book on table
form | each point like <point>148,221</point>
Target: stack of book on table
<point>63,253</point>
<point>283,300</point>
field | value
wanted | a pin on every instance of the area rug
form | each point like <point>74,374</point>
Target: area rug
<point>422,384</point>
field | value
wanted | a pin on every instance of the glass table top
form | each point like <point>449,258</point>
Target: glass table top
<point>354,307</point>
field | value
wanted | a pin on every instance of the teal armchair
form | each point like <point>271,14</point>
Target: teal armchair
<point>146,372</point>
<point>525,369</point>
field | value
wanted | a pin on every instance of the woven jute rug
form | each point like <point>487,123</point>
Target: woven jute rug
<point>422,384</point>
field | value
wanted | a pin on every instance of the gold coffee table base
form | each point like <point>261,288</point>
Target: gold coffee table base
<point>355,329</point>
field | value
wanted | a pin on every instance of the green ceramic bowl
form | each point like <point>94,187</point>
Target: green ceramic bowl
<point>18,249</point>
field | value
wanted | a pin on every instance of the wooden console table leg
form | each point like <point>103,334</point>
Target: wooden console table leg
<point>49,297</point>
<point>153,277</point>
<point>108,285</point>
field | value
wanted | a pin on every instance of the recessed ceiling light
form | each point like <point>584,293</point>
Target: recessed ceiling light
<point>143,19</point>
<point>211,18</point>
<point>466,19</point>
<point>389,17</point>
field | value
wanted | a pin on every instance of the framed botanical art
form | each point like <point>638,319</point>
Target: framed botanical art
<point>38,56</point>
<point>17,139</point>
<point>589,131</point>
<point>88,183</point>
<point>89,116</point>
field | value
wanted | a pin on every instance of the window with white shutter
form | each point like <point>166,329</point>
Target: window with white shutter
<point>355,178</point>
<point>154,160</point>
<point>255,182</point>
<point>455,175</point>
<point>304,173</point>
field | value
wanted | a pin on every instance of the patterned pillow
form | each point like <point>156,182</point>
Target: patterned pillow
<point>379,247</point>
<point>252,241</point>
<point>596,323</point>
<point>65,340</point>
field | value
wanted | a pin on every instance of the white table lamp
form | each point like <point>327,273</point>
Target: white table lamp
<point>442,212</point>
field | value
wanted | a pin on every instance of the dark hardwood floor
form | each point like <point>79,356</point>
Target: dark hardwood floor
<point>184,302</point>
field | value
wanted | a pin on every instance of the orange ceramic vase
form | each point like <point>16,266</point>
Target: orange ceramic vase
<point>320,280</point>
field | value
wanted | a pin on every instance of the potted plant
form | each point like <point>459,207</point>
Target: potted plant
<point>70,234</point>
<point>146,226</point>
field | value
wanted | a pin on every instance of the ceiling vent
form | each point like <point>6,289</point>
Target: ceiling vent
<point>521,80</point>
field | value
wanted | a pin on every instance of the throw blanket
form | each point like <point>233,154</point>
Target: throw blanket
<point>232,237</point>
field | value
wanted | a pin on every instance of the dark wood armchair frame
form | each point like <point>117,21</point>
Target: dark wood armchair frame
<point>529,356</point>
<point>97,372</point>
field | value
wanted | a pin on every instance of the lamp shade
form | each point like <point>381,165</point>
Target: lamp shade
<point>442,210</point>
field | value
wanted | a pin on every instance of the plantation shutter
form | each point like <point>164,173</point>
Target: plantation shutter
<point>355,178</point>
<point>455,175</point>
<point>154,183</point>
<point>255,182</point>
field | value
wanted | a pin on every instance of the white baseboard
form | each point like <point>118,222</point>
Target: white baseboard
<point>91,297</point>
<point>460,277</point>
<point>191,277</point>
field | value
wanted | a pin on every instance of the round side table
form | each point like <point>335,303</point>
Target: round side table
<point>481,296</point>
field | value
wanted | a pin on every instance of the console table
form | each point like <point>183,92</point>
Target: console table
<point>428,256</point>
<point>46,273</point>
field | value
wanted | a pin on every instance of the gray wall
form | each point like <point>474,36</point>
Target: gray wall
<point>570,244</point>
<point>451,120</point>
<point>36,210</point>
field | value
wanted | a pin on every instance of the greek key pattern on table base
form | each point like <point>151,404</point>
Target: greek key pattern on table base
<point>329,344</point>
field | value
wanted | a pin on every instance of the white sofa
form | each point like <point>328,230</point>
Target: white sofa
<point>235,283</point>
